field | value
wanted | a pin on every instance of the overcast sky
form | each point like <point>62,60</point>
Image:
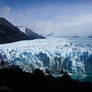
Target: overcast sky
<point>62,17</point>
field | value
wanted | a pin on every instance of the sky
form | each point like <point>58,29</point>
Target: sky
<point>60,17</point>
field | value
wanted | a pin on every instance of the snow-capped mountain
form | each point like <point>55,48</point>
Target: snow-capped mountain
<point>30,33</point>
<point>10,33</point>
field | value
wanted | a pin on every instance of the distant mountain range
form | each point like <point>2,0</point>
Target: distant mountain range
<point>10,33</point>
<point>90,36</point>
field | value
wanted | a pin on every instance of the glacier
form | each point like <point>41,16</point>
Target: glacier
<point>73,55</point>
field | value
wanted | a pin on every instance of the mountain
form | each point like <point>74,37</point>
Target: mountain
<point>32,35</point>
<point>50,34</point>
<point>76,36</point>
<point>10,33</point>
<point>90,36</point>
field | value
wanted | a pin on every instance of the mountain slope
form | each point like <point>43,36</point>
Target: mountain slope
<point>10,33</point>
<point>32,35</point>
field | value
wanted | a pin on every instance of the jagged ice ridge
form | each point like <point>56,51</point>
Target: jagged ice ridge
<point>55,54</point>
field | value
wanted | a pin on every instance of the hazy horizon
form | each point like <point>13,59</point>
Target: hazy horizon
<point>61,17</point>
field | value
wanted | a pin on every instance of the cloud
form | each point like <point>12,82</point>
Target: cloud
<point>23,15</point>
<point>84,19</point>
<point>20,15</point>
<point>79,25</point>
<point>5,9</point>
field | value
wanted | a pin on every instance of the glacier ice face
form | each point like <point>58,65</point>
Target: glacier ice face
<point>71,55</point>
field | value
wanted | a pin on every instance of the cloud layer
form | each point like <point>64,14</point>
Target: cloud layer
<point>5,9</point>
<point>79,25</point>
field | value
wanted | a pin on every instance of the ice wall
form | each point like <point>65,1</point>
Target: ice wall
<point>55,55</point>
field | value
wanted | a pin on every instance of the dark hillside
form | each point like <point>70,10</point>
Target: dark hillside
<point>10,33</point>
